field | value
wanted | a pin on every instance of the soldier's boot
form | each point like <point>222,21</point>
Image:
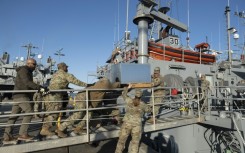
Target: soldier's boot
<point>151,120</point>
<point>118,119</point>
<point>45,132</point>
<point>8,137</point>
<point>60,133</point>
<point>77,130</point>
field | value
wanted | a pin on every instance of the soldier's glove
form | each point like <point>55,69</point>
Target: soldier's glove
<point>44,90</point>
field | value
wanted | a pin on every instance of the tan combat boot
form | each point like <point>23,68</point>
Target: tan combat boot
<point>45,132</point>
<point>77,130</point>
<point>151,120</point>
<point>61,133</point>
<point>118,119</point>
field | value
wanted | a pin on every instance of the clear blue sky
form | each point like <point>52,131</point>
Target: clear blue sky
<point>87,29</point>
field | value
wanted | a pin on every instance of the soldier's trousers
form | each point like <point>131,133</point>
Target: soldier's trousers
<point>135,132</point>
<point>52,102</point>
<point>17,108</point>
<point>157,100</point>
<point>204,101</point>
<point>74,117</point>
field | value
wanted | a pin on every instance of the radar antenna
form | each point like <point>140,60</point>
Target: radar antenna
<point>58,53</point>
<point>29,47</point>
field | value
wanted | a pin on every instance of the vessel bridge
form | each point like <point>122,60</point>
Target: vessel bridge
<point>180,116</point>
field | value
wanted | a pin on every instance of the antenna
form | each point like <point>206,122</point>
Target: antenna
<point>118,22</point>
<point>29,47</point>
<point>127,16</point>
<point>127,33</point>
<point>227,12</point>
<point>188,25</point>
<point>58,53</point>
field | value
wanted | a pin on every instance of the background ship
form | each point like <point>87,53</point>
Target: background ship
<point>41,75</point>
<point>222,127</point>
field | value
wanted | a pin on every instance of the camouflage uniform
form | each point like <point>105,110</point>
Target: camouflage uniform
<point>204,86</point>
<point>80,103</point>
<point>157,82</point>
<point>38,104</point>
<point>132,124</point>
<point>95,98</point>
<point>60,80</point>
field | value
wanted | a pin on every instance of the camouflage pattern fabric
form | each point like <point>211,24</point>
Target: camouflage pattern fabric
<point>135,131</point>
<point>52,103</point>
<point>134,114</point>
<point>61,79</point>
<point>205,86</point>
<point>80,103</point>
<point>38,104</point>
<point>95,98</point>
<point>158,93</point>
<point>37,98</point>
<point>132,124</point>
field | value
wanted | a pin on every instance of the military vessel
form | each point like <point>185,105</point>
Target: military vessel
<point>41,75</point>
<point>222,128</point>
<point>181,127</point>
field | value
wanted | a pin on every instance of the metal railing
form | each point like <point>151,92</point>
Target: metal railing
<point>182,100</point>
<point>183,104</point>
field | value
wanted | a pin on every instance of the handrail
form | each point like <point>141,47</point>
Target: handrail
<point>174,104</point>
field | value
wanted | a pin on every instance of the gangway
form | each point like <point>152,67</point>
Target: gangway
<point>103,133</point>
<point>175,122</point>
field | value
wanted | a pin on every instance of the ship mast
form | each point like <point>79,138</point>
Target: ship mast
<point>29,47</point>
<point>58,53</point>
<point>242,16</point>
<point>127,33</point>
<point>227,12</point>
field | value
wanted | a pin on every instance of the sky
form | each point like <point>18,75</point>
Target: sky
<point>88,29</point>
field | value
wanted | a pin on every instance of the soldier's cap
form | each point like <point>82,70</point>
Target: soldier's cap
<point>138,93</point>
<point>157,69</point>
<point>62,65</point>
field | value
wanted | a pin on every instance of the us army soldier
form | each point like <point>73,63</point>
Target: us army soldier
<point>95,97</point>
<point>205,86</point>
<point>60,80</point>
<point>132,121</point>
<point>157,82</point>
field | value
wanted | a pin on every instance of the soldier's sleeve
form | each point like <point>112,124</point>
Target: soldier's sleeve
<point>72,79</point>
<point>124,93</point>
<point>147,108</point>
<point>156,82</point>
<point>208,85</point>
